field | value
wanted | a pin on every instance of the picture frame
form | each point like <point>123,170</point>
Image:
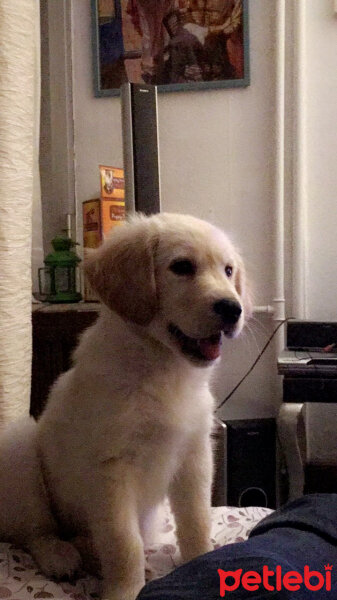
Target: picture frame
<point>194,49</point>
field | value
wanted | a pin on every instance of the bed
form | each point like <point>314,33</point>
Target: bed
<point>21,580</point>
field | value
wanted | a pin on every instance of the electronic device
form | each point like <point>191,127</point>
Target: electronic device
<point>244,463</point>
<point>309,362</point>
<point>251,462</point>
<point>140,148</point>
<point>308,365</point>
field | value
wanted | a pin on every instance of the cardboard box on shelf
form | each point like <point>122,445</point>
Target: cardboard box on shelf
<point>112,182</point>
<point>101,215</point>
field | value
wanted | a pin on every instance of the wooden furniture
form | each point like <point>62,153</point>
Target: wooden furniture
<point>56,329</point>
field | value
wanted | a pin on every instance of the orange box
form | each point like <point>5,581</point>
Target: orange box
<point>100,215</point>
<point>112,182</point>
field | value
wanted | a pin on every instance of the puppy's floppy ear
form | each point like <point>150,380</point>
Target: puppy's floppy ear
<point>121,271</point>
<point>243,288</point>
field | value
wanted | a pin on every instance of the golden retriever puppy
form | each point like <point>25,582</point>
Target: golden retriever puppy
<point>130,422</point>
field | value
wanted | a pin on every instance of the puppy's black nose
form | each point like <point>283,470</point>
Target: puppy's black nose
<point>229,310</point>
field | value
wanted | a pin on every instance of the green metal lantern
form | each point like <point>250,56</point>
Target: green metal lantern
<point>58,279</point>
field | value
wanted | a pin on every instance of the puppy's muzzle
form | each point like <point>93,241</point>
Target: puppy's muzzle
<point>228,310</point>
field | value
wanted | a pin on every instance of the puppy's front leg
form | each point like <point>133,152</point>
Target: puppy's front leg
<point>117,541</point>
<point>190,498</point>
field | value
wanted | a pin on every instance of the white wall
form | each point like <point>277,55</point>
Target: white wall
<point>218,162</point>
<point>322,152</point>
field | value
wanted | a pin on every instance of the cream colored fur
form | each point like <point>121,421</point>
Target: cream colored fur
<point>130,422</point>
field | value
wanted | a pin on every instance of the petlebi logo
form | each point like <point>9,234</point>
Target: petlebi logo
<point>276,580</point>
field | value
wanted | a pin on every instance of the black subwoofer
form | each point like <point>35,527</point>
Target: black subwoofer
<point>251,462</point>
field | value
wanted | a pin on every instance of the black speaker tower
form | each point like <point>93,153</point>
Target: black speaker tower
<point>141,148</point>
<point>251,462</point>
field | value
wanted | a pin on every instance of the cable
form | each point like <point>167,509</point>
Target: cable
<point>254,363</point>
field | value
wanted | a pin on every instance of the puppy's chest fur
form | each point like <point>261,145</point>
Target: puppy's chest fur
<point>157,422</point>
<point>148,401</point>
<point>156,438</point>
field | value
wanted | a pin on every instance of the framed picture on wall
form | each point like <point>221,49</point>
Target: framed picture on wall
<point>174,44</point>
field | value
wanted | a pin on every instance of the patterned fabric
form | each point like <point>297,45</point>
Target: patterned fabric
<point>21,580</point>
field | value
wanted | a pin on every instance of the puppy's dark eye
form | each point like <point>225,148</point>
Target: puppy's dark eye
<point>229,270</point>
<point>182,267</point>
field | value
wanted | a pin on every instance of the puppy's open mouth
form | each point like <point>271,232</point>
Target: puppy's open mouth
<point>205,349</point>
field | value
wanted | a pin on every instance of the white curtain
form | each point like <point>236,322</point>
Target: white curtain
<point>19,124</point>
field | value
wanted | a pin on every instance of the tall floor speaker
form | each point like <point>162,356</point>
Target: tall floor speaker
<point>251,462</point>
<point>140,148</point>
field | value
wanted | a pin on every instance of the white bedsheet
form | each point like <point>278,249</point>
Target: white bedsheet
<point>21,580</point>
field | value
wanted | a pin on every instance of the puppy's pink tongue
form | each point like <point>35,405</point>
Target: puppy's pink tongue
<point>210,347</point>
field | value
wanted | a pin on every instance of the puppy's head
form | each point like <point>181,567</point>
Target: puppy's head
<point>179,277</point>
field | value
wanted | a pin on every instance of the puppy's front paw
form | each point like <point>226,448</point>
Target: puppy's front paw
<point>56,558</point>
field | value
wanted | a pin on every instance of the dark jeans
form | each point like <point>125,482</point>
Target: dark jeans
<point>300,537</point>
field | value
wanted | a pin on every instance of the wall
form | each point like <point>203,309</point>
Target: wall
<point>322,152</point>
<point>216,163</point>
